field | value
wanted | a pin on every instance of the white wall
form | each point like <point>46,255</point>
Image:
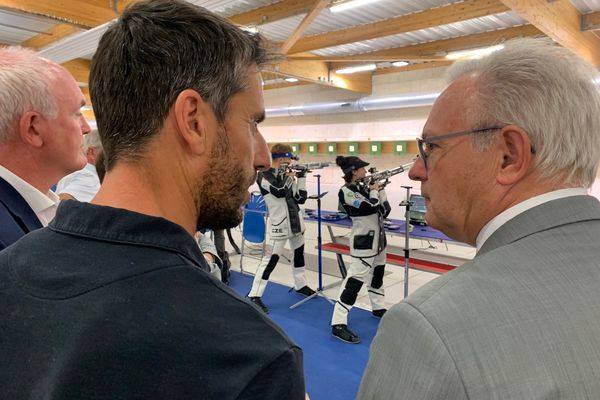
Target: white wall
<point>425,80</point>
<point>396,124</point>
<point>402,124</point>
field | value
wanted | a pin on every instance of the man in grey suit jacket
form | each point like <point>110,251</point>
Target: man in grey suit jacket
<point>522,320</point>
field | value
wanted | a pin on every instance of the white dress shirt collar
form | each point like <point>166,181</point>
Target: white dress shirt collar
<point>43,205</point>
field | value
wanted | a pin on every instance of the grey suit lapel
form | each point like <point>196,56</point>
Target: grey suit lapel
<point>545,216</point>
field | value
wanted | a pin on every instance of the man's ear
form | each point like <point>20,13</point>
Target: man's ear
<point>195,120</point>
<point>91,155</point>
<point>32,127</point>
<point>517,155</point>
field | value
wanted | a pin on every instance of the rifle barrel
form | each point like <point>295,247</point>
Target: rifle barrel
<point>384,175</point>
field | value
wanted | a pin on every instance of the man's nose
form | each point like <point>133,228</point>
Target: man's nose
<point>85,127</point>
<point>418,172</point>
<point>262,156</point>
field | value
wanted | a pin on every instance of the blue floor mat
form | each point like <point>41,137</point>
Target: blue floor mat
<point>332,368</point>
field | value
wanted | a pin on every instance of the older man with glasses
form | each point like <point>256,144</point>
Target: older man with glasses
<point>506,156</point>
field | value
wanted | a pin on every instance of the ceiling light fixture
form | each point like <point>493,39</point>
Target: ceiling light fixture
<point>291,80</point>
<point>251,29</point>
<point>474,53</point>
<point>358,68</point>
<point>400,63</point>
<point>349,4</point>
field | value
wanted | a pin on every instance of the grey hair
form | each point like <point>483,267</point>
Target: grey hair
<point>25,85</point>
<point>92,140</point>
<point>549,92</point>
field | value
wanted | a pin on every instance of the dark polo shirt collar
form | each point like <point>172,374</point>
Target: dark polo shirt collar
<point>125,227</point>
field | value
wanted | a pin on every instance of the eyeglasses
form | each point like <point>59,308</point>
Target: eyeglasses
<point>425,147</point>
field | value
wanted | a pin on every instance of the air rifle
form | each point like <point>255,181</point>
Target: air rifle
<point>302,168</point>
<point>383,176</point>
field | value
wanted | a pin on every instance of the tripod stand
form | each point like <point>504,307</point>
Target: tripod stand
<point>320,288</point>
<point>406,203</point>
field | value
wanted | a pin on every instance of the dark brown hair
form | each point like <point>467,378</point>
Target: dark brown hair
<point>154,51</point>
<point>281,148</point>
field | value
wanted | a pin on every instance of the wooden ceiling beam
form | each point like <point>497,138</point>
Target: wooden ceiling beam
<point>413,67</point>
<point>315,71</point>
<point>79,68</point>
<point>88,113</point>
<point>456,12</point>
<point>60,31</point>
<point>273,12</point>
<point>123,4</point>
<point>440,48</point>
<point>86,93</point>
<point>52,35</point>
<point>361,83</point>
<point>310,70</point>
<point>316,9</point>
<point>319,72</point>
<point>562,22</point>
<point>48,8</point>
<point>285,84</point>
<point>72,12</point>
<point>365,57</point>
<point>591,21</point>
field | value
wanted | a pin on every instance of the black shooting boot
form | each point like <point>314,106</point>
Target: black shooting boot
<point>305,291</point>
<point>259,304</point>
<point>342,332</point>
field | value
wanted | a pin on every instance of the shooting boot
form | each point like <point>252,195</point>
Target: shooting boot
<point>259,304</point>
<point>342,332</point>
<point>305,291</point>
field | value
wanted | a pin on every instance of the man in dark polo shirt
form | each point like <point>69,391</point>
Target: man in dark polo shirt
<point>113,299</point>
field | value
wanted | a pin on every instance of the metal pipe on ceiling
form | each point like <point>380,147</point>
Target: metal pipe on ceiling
<point>356,105</point>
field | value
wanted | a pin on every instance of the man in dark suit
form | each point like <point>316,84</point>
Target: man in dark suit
<point>16,216</point>
<point>506,157</point>
<point>41,133</point>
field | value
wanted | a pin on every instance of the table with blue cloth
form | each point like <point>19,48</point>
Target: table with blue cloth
<point>395,227</point>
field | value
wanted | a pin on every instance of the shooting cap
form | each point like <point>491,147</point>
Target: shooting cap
<point>350,163</point>
<point>282,150</point>
<point>284,155</point>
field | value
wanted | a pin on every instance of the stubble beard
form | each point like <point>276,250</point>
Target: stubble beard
<point>221,191</point>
